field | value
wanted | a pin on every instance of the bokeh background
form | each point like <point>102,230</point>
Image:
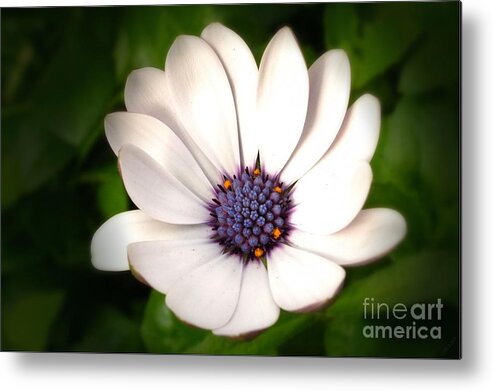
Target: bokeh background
<point>64,69</point>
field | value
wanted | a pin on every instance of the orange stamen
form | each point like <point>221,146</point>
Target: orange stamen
<point>276,233</point>
<point>277,189</point>
<point>256,172</point>
<point>227,184</point>
<point>258,252</point>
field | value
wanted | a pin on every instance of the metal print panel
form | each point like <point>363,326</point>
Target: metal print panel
<point>232,179</point>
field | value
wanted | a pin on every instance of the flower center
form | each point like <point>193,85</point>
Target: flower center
<point>250,213</point>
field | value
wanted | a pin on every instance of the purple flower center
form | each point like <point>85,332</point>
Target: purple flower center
<point>250,213</point>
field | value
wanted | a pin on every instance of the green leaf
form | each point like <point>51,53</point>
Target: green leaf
<point>419,148</point>
<point>374,41</point>
<point>64,105</point>
<point>57,224</point>
<point>111,331</point>
<point>112,197</point>
<point>341,23</point>
<point>30,157</point>
<point>447,232</point>
<point>398,152</point>
<point>416,166</point>
<point>420,143</point>
<point>27,318</point>
<point>267,19</point>
<point>432,66</point>
<point>266,343</point>
<point>73,94</point>
<point>415,208</point>
<point>416,278</point>
<point>111,194</point>
<point>162,332</point>
<point>147,33</point>
<point>439,140</point>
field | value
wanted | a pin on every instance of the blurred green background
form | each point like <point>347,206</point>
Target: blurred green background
<point>64,69</point>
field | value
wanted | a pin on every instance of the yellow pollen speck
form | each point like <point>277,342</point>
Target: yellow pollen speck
<point>277,189</point>
<point>256,172</point>
<point>276,233</point>
<point>227,184</point>
<point>258,252</point>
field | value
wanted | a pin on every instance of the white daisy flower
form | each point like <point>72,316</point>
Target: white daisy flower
<point>249,181</point>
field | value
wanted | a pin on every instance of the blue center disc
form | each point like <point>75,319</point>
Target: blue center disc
<point>250,213</point>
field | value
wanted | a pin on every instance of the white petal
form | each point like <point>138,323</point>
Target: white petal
<point>359,133</point>
<point>301,281</point>
<point>204,100</point>
<point>330,82</point>
<point>207,296</point>
<point>147,92</point>
<point>256,308</point>
<point>373,233</point>
<point>159,142</point>
<point>282,99</point>
<point>156,192</point>
<point>241,68</point>
<point>330,195</point>
<point>109,243</point>
<point>161,263</point>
